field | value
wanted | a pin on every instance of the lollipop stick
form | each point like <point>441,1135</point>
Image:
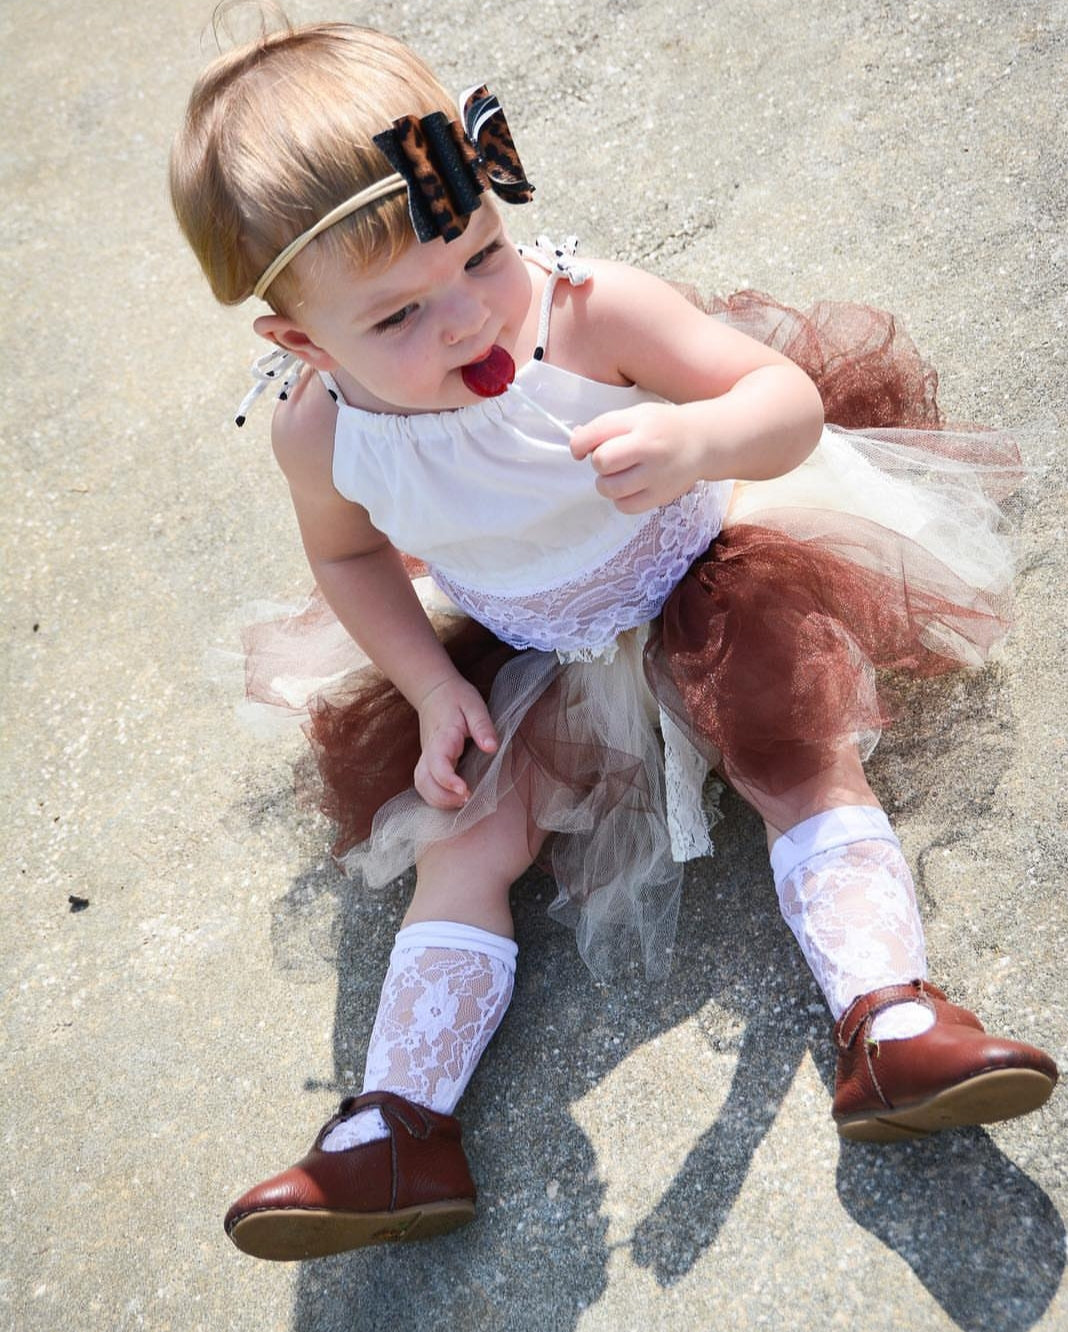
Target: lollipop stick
<point>532,402</point>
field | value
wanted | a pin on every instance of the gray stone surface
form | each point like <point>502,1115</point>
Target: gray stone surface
<point>648,1157</point>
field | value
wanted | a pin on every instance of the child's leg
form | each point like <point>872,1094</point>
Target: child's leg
<point>909,1062</point>
<point>846,892</point>
<point>450,974</point>
<point>390,1164</point>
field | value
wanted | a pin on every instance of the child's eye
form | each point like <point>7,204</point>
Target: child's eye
<point>395,320</point>
<point>482,255</point>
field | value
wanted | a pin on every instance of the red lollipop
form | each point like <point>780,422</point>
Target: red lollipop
<point>491,376</point>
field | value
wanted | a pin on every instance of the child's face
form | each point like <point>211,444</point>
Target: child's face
<point>399,335</point>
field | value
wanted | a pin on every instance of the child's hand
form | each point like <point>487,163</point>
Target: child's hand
<point>644,456</point>
<point>449,715</point>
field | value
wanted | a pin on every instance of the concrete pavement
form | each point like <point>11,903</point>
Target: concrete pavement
<point>654,1157</point>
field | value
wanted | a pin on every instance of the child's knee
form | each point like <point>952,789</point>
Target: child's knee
<point>841,783</point>
<point>478,900</point>
<point>468,878</point>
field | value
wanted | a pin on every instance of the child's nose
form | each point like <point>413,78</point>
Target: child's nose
<point>463,317</point>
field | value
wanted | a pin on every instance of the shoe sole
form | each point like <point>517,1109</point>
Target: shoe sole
<point>984,1099</point>
<point>293,1233</point>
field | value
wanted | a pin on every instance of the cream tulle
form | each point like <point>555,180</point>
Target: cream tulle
<point>937,490</point>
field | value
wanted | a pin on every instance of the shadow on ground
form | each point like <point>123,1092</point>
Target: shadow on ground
<point>983,1238</point>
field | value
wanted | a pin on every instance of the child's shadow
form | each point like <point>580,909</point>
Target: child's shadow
<point>985,1240</point>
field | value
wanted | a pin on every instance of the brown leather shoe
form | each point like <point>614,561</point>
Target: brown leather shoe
<point>953,1074</point>
<point>411,1185</point>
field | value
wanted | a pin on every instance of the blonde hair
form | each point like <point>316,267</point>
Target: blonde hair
<point>276,134</point>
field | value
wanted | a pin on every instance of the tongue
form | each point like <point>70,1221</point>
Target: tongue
<point>491,376</point>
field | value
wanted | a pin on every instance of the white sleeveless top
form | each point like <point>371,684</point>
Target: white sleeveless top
<point>511,527</point>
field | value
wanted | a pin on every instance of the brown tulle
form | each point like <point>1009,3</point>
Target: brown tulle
<point>864,364</point>
<point>365,736</point>
<point>765,651</point>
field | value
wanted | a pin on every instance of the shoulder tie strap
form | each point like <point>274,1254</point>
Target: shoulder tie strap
<point>558,261</point>
<point>276,366</point>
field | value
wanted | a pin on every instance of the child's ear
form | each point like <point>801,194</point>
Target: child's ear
<point>284,333</point>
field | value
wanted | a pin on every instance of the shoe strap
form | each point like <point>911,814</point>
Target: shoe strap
<point>863,1010</point>
<point>394,1110</point>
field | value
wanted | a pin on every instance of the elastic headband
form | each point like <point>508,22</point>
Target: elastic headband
<point>444,165</point>
<point>388,185</point>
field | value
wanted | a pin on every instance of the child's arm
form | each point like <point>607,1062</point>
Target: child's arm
<point>364,582</point>
<point>736,409</point>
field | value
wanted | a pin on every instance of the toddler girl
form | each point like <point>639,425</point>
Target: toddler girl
<point>655,560</point>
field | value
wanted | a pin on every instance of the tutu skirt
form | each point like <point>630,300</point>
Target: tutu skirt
<point>883,556</point>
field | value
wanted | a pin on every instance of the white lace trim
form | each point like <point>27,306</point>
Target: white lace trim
<point>685,770</point>
<point>586,613</point>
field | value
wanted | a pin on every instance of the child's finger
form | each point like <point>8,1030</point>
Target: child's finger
<point>618,485</point>
<point>480,726</point>
<point>441,768</point>
<point>628,491</point>
<point>616,456</point>
<point>594,433</point>
<point>440,755</point>
<point>438,798</point>
<point>442,786</point>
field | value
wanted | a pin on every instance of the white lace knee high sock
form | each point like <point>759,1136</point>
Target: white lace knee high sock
<point>846,893</point>
<point>447,988</point>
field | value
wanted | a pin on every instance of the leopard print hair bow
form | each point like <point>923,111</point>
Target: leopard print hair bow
<point>446,164</point>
